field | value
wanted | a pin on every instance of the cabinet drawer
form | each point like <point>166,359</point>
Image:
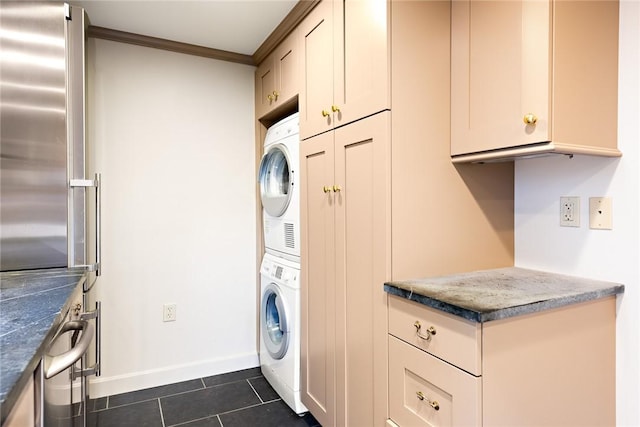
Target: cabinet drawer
<point>419,383</point>
<point>456,340</point>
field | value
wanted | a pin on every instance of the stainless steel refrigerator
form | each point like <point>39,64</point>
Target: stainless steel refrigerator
<point>49,206</point>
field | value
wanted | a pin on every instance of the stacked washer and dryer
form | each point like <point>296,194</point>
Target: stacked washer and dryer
<point>280,269</point>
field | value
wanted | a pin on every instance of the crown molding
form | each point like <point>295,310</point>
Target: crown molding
<point>170,45</point>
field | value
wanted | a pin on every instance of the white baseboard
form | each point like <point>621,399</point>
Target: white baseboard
<point>106,386</point>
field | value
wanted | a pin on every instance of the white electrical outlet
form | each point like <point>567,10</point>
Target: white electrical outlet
<point>600,213</point>
<point>570,211</point>
<point>169,312</point>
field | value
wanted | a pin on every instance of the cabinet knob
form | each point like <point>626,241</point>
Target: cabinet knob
<point>335,108</point>
<point>275,95</point>
<point>270,97</point>
<point>430,332</point>
<point>434,403</point>
<point>530,119</point>
<point>325,113</point>
<point>336,188</point>
<point>326,189</point>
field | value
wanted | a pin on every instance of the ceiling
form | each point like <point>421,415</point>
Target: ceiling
<point>238,26</point>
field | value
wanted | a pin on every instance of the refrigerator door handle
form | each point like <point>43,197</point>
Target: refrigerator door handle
<point>96,183</point>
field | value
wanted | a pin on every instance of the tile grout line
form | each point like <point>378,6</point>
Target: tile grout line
<point>254,390</point>
<point>161,414</point>
<point>156,397</point>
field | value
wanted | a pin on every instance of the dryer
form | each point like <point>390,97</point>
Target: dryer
<point>280,328</point>
<point>279,189</point>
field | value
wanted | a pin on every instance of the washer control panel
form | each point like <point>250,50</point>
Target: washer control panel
<point>279,273</point>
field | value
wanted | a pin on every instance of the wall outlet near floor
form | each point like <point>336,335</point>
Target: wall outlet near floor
<point>169,312</point>
<point>570,211</point>
<point>600,217</point>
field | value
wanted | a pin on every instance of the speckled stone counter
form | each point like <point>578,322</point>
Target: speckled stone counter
<point>32,304</point>
<point>487,295</point>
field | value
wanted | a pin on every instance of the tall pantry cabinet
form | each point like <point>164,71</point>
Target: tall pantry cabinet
<point>345,256</point>
<point>380,197</point>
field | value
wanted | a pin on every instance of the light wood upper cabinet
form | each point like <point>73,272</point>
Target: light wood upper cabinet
<point>278,77</point>
<point>345,45</point>
<point>531,77</point>
<point>345,260</point>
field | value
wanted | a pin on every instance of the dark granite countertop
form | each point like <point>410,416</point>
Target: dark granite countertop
<point>482,296</point>
<point>32,306</point>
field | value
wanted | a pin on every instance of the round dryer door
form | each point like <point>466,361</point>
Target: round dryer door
<point>276,180</point>
<point>273,322</point>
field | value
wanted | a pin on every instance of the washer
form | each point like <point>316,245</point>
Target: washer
<point>280,328</point>
<point>279,189</point>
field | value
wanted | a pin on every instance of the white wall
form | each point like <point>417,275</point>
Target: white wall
<point>608,255</point>
<point>173,136</point>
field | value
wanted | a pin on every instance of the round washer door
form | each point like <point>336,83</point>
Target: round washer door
<point>273,322</point>
<point>276,180</point>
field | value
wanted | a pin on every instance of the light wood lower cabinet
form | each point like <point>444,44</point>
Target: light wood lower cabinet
<point>24,410</point>
<point>426,391</point>
<point>345,259</point>
<point>550,368</point>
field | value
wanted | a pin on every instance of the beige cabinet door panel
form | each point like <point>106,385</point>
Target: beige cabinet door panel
<point>317,93</point>
<point>287,62</point>
<point>362,266</point>
<point>278,77</point>
<point>524,83</point>
<point>317,349</point>
<point>346,63</point>
<point>361,59</point>
<point>499,73</point>
<point>265,85</point>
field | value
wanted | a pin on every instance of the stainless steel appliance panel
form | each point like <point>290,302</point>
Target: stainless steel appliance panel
<point>33,145</point>
<point>76,84</point>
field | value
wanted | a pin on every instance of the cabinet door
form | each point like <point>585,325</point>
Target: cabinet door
<point>362,169</point>
<point>361,59</point>
<point>287,64</point>
<point>265,86</point>
<point>317,345</point>
<point>500,72</point>
<point>278,76</point>
<point>316,32</point>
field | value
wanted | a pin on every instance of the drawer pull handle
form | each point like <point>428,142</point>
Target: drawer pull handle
<point>430,332</point>
<point>434,403</point>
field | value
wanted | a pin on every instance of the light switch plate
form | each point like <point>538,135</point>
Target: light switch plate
<point>600,215</point>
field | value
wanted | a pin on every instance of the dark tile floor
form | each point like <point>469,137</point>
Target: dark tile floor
<point>237,399</point>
